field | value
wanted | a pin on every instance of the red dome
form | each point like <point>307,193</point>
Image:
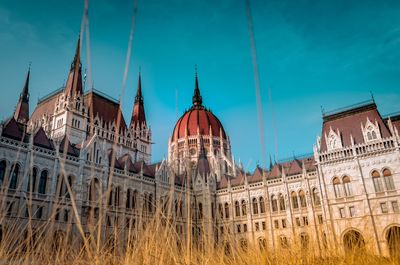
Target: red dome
<point>198,118</point>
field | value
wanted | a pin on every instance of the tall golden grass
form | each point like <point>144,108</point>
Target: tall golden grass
<point>150,241</point>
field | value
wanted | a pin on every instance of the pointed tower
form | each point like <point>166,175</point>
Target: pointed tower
<point>21,113</point>
<point>139,128</point>
<point>138,114</point>
<point>73,86</point>
<point>197,99</point>
<point>70,115</point>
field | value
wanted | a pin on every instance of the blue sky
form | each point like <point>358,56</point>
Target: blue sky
<point>310,54</point>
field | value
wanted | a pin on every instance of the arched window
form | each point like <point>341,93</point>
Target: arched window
<point>295,202</point>
<point>336,187</point>
<point>388,179</point>
<point>262,243</point>
<point>226,210</point>
<point>302,196</point>
<point>316,197</point>
<point>3,166</point>
<point>284,241</point>
<point>304,239</point>
<point>244,208</point>
<point>255,206</point>
<point>243,244</point>
<point>262,205</point>
<point>237,208</point>
<point>14,177</point>
<point>282,206</point>
<point>274,203</point>
<point>32,180</point>
<point>353,241</point>
<point>347,186</point>
<point>43,182</point>
<point>376,178</point>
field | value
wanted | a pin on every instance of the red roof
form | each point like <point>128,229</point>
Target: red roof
<point>349,123</point>
<point>45,106</point>
<point>13,130</point>
<point>105,108</point>
<point>40,139</point>
<point>138,114</point>
<point>198,118</point>
<point>71,150</point>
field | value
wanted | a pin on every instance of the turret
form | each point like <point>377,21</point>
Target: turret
<point>21,113</point>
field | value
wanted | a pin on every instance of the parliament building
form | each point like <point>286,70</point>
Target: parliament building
<point>77,163</point>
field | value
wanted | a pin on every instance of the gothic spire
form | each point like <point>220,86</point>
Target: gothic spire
<point>21,113</point>
<point>197,99</point>
<point>139,97</point>
<point>138,114</point>
<point>74,81</point>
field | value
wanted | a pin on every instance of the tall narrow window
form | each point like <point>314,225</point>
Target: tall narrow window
<point>128,199</point>
<point>244,209</point>
<point>282,206</point>
<point>226,210</point>
<point>388,179</point>
<point>295,202</point>
<point>347,186</point>
<point>14,177</point>
<point>200,211</point>
<point>262,205</point>
<point>43,182</point>
<point>316,197</point>
<point>32,180</point>
<point>302,196</point>
<point>70,187</point>
<point>336,187</point>
<point>274,203</point>
<point>376,178</point>
<point>134,199</point>
<point>150,203</point>
<point>255,206</point>
<point>237,208</point>
<point>220,211</point>
<point>3,166</point>
<point>117,194</point>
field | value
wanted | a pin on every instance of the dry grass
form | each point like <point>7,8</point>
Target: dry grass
<point>156,244</point>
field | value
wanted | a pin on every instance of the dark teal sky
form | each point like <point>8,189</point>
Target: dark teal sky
<point>310,53</point>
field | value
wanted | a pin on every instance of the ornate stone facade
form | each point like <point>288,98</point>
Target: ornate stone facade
<point>76,152</point>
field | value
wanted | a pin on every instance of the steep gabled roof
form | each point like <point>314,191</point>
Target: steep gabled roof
<point>40,139</point>
<point>14,130</point>
<point>257,175</point>
<point>293,167</point>
<point>349,121</point>
<point>66,144</point>
<point>104,107</point>
<point>275,172</point>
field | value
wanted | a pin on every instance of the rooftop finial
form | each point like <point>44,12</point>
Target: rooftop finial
<point>372,96</point>
<point>197,99</point>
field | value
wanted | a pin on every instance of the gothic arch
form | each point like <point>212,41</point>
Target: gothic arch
<point>392,236</point>
<point>353,240</point>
